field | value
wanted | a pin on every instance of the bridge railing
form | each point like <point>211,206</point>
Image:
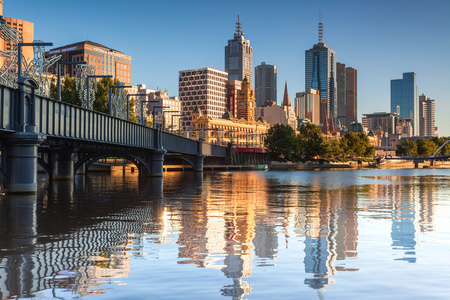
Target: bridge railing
<point>60,119</point>
<point>180,144</point>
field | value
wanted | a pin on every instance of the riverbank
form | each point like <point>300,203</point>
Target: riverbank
<point>392,164</point>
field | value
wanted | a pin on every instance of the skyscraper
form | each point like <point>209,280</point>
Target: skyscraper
<point>320,74</point>
<point>351,95</point>
<point>265,83</point>
<point>405,99</point>
<point>426,116</point>
<point>239,56</point>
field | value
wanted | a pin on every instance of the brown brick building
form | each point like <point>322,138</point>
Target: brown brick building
<point>106,61</point>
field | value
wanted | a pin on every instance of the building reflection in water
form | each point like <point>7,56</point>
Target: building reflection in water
<point>77,236</point>
<point>69,241</point>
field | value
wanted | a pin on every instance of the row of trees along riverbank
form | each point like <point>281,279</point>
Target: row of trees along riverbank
<point>423,147</point>
<point>284,143</point>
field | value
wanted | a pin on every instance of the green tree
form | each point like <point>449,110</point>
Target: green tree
<point>439,141</point>
<point>357,144</point>
<point>407,147</point>
<point>311,141</point>
<point>131,105</point>
<point>426,147</point>
<point>69,93</point>
<point>334,148</point>
<point>282,140</point>
<point>101,102</point>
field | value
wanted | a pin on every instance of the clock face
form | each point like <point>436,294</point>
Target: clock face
<point>251,104</point>
<point>242,103</point>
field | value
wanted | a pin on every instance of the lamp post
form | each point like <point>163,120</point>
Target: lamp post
<point>59,63</point>
<point>128,103</point>
<point>109,94</point>
<point>153,111</point>
<point>19,52</point>
<point>87,84</point>
<point>142,111</point>
<point>164,119</point>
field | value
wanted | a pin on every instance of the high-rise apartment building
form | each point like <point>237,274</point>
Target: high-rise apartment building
<point>384,120</point>
<point>239,56</point>
<point>203,88</point>
<point>426,116</point>
<point>351,96</point>
<point>105,60</point>
<point>25,28</point>
<point>265,83</point>
<point>405,99</point>
<point>307,106</point>
<point>320,74</point>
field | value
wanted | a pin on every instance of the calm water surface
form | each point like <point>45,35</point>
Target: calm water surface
<point>372,234</point>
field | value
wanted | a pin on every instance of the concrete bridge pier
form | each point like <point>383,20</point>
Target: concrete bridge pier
<point>157,162</point>
<point>198,162</point>
<point>63,162</point>
<point>22,150</point>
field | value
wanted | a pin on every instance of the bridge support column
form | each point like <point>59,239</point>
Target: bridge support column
<point>62,165</point>
<point>157,162</point>
<point>198,163</point>
<point>22,149</point>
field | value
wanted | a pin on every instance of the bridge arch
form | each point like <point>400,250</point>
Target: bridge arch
<point>140,162</point>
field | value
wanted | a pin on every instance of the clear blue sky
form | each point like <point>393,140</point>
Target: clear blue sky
<point>381,39</point>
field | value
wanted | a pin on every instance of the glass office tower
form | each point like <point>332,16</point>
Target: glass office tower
<point>405,99</point>
<point>320,74</point>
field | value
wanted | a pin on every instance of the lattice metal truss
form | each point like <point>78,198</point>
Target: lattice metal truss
<point>36,69</point>
<point>137,109</point>
<point>119,103</point>
<point>82,73</point>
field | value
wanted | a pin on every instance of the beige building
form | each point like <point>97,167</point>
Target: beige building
<point>307,106</point>
<point>426,116</point>
<point>203,88</point>
<point>241,131</point>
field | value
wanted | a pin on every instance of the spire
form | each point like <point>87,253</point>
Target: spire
<point>239,31</point>
<point>320,27</point>
<point>286,96</point>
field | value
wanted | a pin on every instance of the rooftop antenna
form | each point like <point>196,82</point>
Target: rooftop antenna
<point>320,27</point>
<point>239,31</point>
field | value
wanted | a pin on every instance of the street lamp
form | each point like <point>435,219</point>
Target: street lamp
<point>164,119</point>
<point>109,94</point>
<point>87,84</point>
<point>59,63</point>
<point>153,111</point>
<point>19,52</point>
<point>128,103</point>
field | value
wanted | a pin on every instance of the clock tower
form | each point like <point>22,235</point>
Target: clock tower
<point>245,102</point>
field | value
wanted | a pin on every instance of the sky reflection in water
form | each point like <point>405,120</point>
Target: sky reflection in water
<point>242,235</point>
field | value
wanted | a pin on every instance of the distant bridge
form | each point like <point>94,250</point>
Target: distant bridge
<point>65,138</point>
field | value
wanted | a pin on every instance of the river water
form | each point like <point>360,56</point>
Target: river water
<point>353,234</point>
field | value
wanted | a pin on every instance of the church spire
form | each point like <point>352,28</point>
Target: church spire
<point>286,96</point>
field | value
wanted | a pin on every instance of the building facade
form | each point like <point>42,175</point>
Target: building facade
<point>239,56</point>
<point>233,87</point>
<point>307,106</point>
<point>320,74</point>
<point>351,96</point>
<point>340,92</point>
<point>384,120</point>
<point>203,88</point>
<point>25,28</point>
<point>265,83</point>
<point>405,99</point>
<point>105,60</point>
<point>426,116</point>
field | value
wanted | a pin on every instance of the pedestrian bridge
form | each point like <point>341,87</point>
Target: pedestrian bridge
<point>65,138</point>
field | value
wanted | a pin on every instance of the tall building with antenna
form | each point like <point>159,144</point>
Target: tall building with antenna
<point>239,56</point>
<point>320,74</point>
